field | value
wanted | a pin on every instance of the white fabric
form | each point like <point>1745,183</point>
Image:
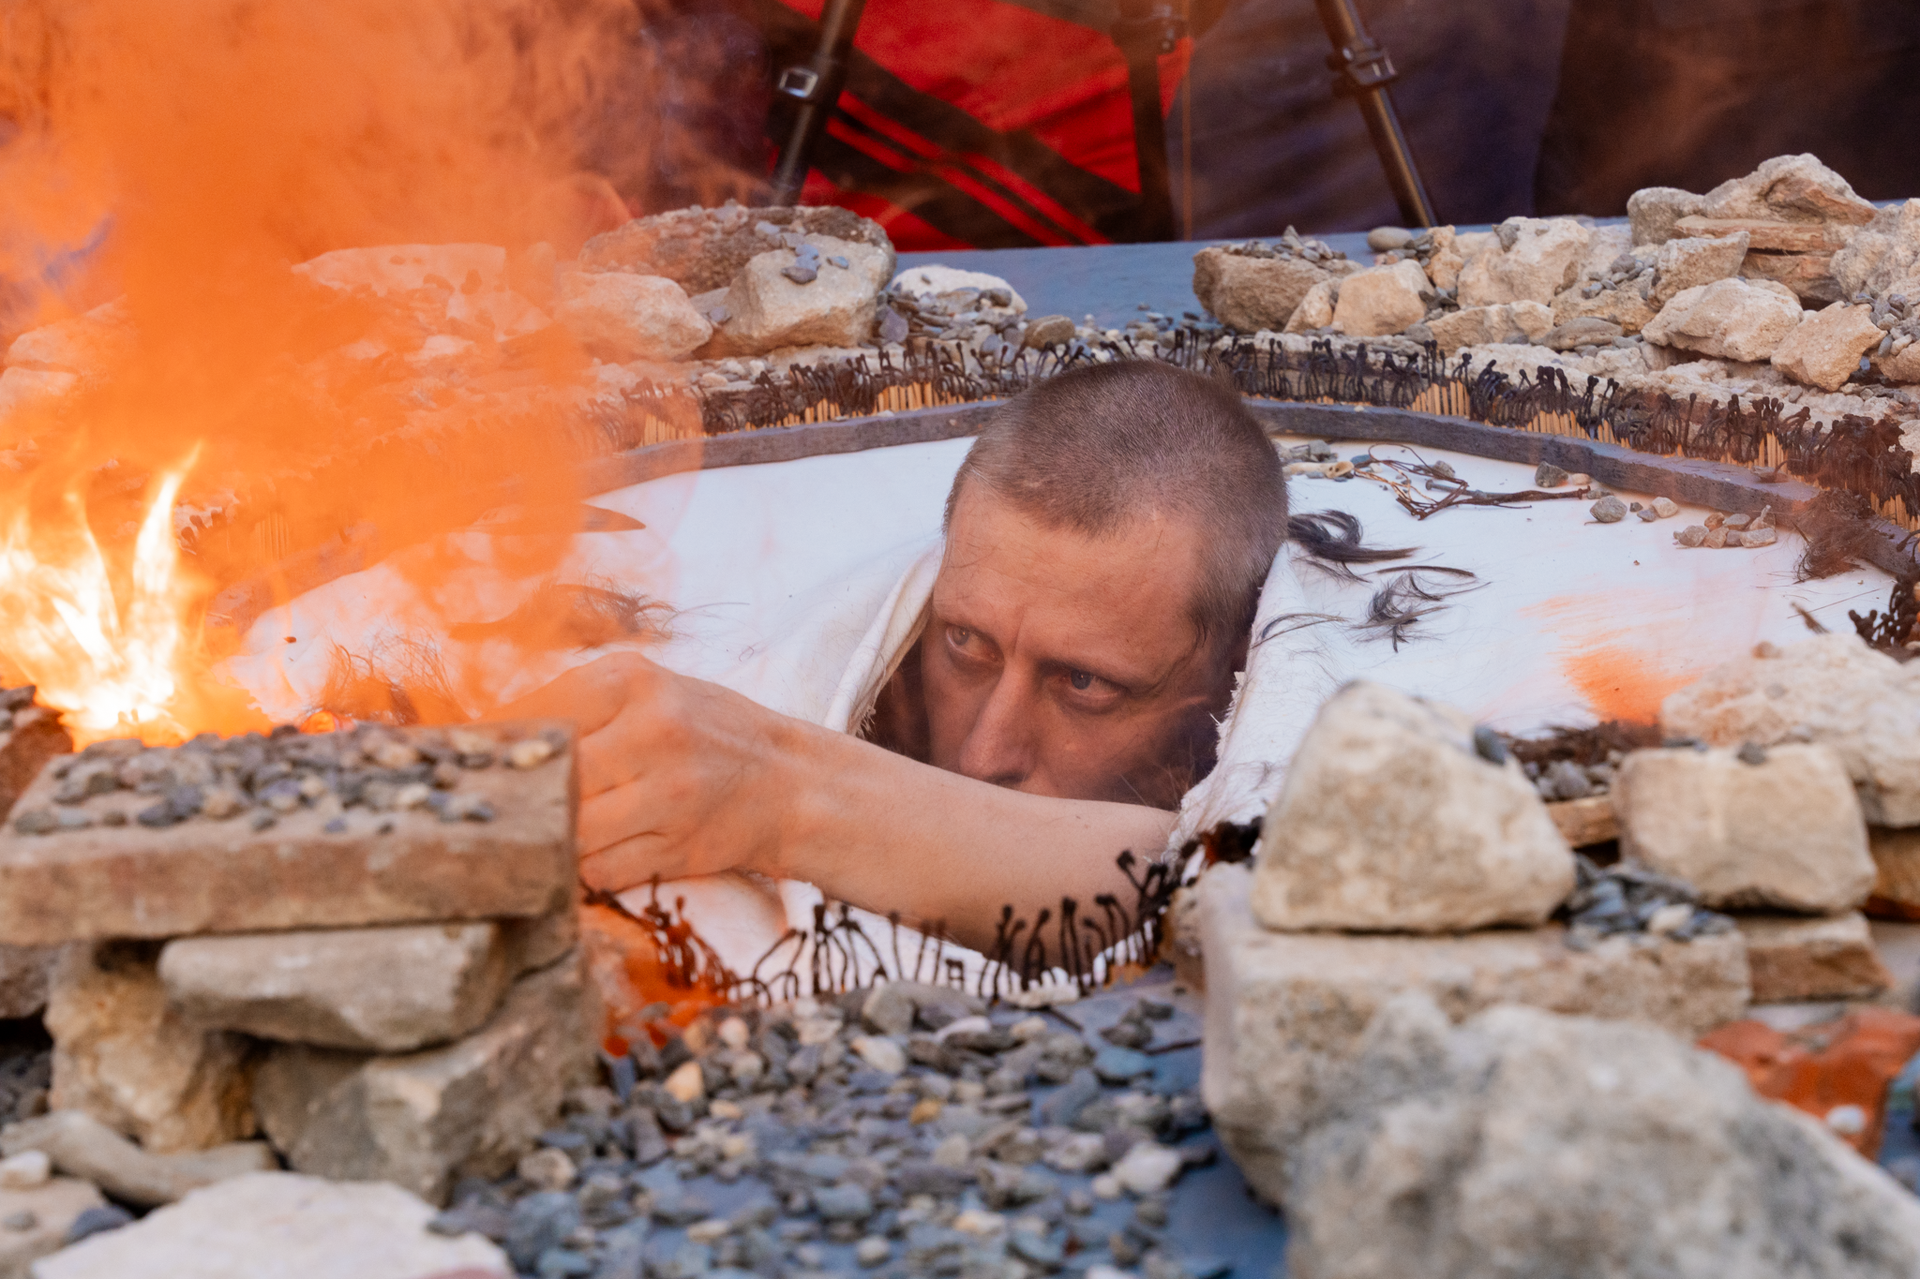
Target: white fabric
<point>801,584</point>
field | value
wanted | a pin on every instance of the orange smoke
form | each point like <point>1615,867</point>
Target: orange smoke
<point>175,161</point>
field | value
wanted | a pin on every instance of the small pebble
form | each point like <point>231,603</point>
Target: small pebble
<point>1106,1186</point>
<point>25,1170</point>
<point>547,1168</point>
<point>686,1083</point>
<point>1691,535</point>
<point>872,1251</point>
<point>1608,510</point>
<point>18,1221</point>
<point>95,1221</point>
<point>530,753</point>
<point>1665,507</point>
<point>1548,476</point>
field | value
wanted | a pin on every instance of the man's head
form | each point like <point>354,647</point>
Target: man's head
<point>1107,537</point>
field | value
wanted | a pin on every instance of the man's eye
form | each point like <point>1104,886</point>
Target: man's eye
<point>1081,680</point>
<point>959,636</point>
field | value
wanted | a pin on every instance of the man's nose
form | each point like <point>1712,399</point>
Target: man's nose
<point>999,747</point>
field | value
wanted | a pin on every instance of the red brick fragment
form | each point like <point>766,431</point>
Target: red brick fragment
<point>1850,1061</point>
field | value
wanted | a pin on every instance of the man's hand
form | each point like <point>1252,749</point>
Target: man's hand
<point>678,777</point>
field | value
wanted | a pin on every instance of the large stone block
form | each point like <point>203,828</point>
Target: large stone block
<point>1773,828</point>
<point>381,860</point>
<point>1391,820</point>
<point>423,1120</point>
<point>1252,293</point>
<point>384,990</point>
<point>1826,349</point>
<point>50,1209</point>
<point>1382,300</point>
<point>1524,1144</point>
<point>287,1226</point>
<point>1729,319</point>
<point>1792,188</point>
<point>1696,260</point>
<point>621,317</point>
<point>1830,689</point>
<point>1652,211</point>
<point>79,1144</point>
<point>836,307</point>
<point>124,1057</point>
<point>1792,957</point>
<point>1286,1011</point>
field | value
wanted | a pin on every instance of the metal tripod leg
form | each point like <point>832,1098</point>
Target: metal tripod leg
<point>1363,70</point>
<point>816,88</point>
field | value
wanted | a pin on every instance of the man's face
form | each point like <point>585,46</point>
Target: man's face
<point>1062,665</point>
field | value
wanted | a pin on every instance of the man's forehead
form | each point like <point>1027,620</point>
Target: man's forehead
<point>1127,594</point>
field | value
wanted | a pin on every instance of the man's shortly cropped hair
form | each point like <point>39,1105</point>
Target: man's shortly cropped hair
<point>1098,447</point>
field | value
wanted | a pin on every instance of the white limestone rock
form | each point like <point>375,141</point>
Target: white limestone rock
<point>1542,259</point>
<point>1883,257</point>
<point>77,1143</point>
<point>1253,293</point>
<point>123,1056</point>
<point>1830,689</point>
<point>284,1225</point>
<point>621,317</point>
<point>1516,322</point>
<point>1776,828</point>
<point>1525,1144</point>
<point>1285,1011</point>
<point>387,269</point>
<point>1382,300</point>
<point>837,308</point>
<point>1730,319</point>
<point>1696,260</point>
<point>49,1210</point>
<point>955,290</point>
<point>1825,349</point>
<point>1316,308</point>
<point>424,1119</point>
<point>369,989</point>
<point>1390,820</point>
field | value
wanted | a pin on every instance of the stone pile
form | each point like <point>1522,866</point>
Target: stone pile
<point>1372,1043</point>
<point>30,735</point>
<point>361,945</point>
<point>1783,283</point>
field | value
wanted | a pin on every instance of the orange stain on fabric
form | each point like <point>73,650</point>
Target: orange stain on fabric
<point>1623,683</point>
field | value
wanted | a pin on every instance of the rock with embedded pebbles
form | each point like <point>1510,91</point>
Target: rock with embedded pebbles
<point>1831,689</point>
<point>1729,319</point>
<point>838,308</point>
<point>1825,349</point>
<point>1285,1011</point>
<point>1382,300</point>
<point>1537,258</point>
<point>1391,819</point>
<point>1625,305</point>
<point>367,989</point>
<point>1775,828</point>
<point>1535,1144</point>
<point>121,1054</point>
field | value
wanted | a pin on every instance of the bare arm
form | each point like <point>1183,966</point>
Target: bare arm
<point>681,777</point>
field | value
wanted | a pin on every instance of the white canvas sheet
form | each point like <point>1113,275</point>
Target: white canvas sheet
<point>800,584</point>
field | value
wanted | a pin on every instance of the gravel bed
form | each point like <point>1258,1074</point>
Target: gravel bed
<point>809,1140</point>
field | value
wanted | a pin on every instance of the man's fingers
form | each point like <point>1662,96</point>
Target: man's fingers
<point>628,864</point>
<point>591,696</point>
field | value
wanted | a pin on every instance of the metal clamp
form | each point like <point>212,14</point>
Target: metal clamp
<point>800,83</point>
<point>1360,67</point>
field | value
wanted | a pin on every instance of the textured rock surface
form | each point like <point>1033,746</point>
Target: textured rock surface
<point>1482,325</point>
<point>955,290</point>
<point>1692,261</point>
<point>23,979</point>
<point>1825,350</point>
<point>287,1226</point>
<point>1809,275</point>
<point>205,876</point>
<point>1790,188</point>
<point>1792,957</point>
<point>620,317</point>
<point>1896,872</point>
<point>1624,306</point>
<point>1389,819</point>
<point>1523,1144</point>
<point>1286,1010</point>
<point>79,1144</point>
<point>1883,257</point>
<point>837,309</point>
<point>51,1207</point>
<point>371,989</point>
<point>1831,689</point>
<point>1652,211</point>
<point>704,249</point>
<point>124,1057</point>
<point>1542,260</point>
<point>1316,308</point>
<point>1729,319</point>
<point>35,737</point>
<point>1785,833</point>
<point>1252,293</point>
<point>1382,300</point>
<point>422,1120</point>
